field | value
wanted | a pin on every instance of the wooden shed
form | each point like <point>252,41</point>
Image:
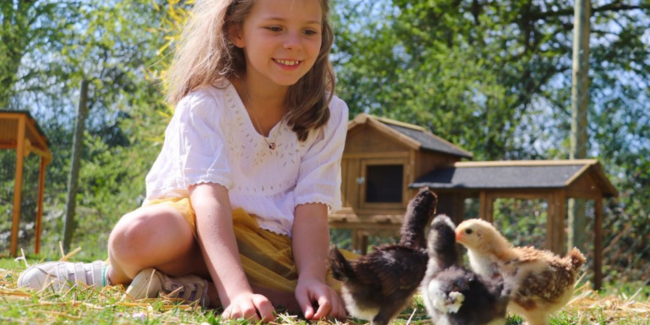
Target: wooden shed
<point>381,158</point>
<point>554,181</point>
<point>19,131</point>
<point>386,161</point>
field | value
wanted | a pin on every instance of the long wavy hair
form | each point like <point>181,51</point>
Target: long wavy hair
<point>204,56</point>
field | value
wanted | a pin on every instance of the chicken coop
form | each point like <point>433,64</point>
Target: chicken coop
<point>386,161</point>
<point>382,157</point>
<point>19,131</point>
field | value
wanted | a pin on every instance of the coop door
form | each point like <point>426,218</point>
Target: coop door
<point>382,183</point>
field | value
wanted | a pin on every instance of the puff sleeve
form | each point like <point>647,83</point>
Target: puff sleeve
<point>319,177</point>
<point>200,141</point>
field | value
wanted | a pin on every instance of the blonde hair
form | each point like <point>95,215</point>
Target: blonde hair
<point>204,57</point>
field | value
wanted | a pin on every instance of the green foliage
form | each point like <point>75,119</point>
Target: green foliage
<point>494,77</point>
<point>28,30</point>
<point>112,44</point>
<point>523,220</point>
<point>480,74</point>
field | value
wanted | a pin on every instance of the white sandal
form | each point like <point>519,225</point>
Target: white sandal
<point>60,275</point>
<point>151,283</point>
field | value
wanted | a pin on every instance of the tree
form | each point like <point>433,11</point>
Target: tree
<point>495,76</point>
<point>29,27</point>
<point>491,67</point>
<point>51,46</point>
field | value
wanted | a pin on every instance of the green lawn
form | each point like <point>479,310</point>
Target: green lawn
<point>79,305</point>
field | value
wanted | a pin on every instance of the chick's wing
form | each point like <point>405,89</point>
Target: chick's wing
<point>542,274</point>
<point>393,268</point>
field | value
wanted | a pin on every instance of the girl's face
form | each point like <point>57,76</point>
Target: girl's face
<point>281,39</point>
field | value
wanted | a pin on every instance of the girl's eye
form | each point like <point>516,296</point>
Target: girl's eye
<point>310,32</point>
<point>274,28</point>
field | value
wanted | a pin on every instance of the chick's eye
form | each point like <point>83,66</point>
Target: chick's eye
<point>468,231</point>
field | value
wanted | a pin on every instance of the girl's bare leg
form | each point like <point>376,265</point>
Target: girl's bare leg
<point>155,236</point>
<point>158,236</point>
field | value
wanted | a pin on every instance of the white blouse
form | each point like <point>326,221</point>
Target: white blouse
<point>211,139</point>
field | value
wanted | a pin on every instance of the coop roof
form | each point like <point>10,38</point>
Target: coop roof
<point>36,142</point>
<point>539,174</point>
<point>410,134</point>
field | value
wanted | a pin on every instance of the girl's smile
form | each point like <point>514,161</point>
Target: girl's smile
<point>281,40</point>
<point>287,64</point>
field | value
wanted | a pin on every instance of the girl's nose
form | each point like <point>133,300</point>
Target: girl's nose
<point>292,41</point>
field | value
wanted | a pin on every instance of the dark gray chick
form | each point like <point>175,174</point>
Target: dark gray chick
<point>454,295</point>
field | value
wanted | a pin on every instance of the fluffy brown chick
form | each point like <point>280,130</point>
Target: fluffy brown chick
<point>377,286</point>
<point>544,280</point>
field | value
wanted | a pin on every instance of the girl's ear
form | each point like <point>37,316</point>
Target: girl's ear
<point>235,35</point>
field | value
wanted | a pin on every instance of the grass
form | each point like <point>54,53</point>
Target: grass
<point>625,305</point>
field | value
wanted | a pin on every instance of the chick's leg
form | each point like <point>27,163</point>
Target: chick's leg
<point>386,313</point>
<point>536,318</point>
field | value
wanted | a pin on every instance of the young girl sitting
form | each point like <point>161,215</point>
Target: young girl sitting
<point>250,166</point>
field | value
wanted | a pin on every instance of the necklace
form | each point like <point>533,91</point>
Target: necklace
<point>271,144</point>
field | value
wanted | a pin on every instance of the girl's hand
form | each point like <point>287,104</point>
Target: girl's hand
<point>250,306</point>
<point>312,293</point>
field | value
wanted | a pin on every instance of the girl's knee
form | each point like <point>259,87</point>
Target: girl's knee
<point>147,229</point>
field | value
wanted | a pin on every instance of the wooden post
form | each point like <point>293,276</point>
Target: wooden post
<point>579,110</point>
<point>359,241</point>
<point>364,243</point>
<point>39,208</point>
<point>560,216</point>
<point>75,165</point>
<point>18,185</point>
<point>355,240</point>
<point>555,222</point>
<point>458,208</point>
<point>598,244</point>
<point>550,223</point>
<point>482,206</point>
<point>488,214</point>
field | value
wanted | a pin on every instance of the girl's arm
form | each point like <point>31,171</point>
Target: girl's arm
<point>310,250</point>
<point>216,238</point>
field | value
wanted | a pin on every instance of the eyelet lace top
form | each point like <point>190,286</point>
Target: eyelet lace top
<point>211,139</point>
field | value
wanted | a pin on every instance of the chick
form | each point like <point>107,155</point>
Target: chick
<point>544,280</point>
<point>379,285</point>
<point>454,295</point>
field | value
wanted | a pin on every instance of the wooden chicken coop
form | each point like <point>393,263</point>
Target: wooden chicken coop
<point>386,161</point>
<point>381,158</point>
<point>19,131</point>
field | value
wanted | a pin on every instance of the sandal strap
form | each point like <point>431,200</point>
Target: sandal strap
<point>61,275</point>
<point>149,283</point>
<point>99,274</point>
<point>80,274</point>
<point>189,288</point>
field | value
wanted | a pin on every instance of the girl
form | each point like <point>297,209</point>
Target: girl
<point>250,166</point>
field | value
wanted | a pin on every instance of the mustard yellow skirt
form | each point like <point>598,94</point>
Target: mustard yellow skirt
<point>267,257</point>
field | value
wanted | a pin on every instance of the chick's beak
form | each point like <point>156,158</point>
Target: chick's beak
<point>459,236</point>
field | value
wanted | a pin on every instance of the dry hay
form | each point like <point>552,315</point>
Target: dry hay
<point>80,301</point>
<point>587,303</point>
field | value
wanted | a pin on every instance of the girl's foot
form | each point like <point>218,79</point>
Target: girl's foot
<point>151,283</point>
<point>61,275</point>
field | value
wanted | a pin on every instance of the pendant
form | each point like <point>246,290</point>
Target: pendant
<point>272,145</point>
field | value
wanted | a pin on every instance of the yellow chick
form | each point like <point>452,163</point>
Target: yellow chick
<point>544,280</point>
